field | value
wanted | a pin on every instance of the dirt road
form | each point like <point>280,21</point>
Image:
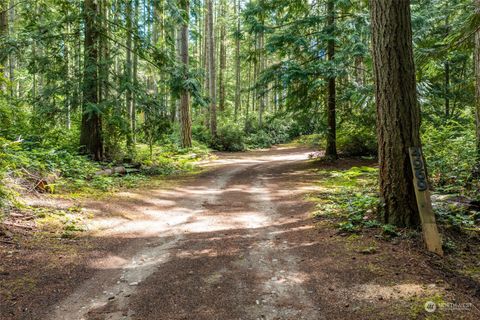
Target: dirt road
<point>236,242</point>
<point>214,248</point>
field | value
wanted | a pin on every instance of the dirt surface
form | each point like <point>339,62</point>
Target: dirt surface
<point>235,242</point>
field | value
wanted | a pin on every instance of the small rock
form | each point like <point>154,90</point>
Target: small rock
<point>257,301</point>
<point>274,278</point>
<point>133,284</point>
<point>111,298</point>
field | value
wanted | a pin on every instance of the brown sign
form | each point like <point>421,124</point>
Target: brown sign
<point>429,225</point>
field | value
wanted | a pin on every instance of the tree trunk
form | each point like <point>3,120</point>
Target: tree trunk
<point>212,71</point>
<point>11,56</point>
<point>477,83</point>
<point>128,73</point>
<point>135,74</point>
<point>3,33</point>
<point>237,63</point>
<point>185,117</point>
<point>262,92</point>
<point>331,150</point>
<point>223,56</point>
<point>398,113</point>
<point>91,130</point>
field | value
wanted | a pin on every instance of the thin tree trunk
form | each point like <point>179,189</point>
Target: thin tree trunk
<point>331,150</point>
<point>212,73</point>
<point>223,56</point>
<point>185,117</point>
<point>11,56</point>
<point>128,75</point>
<point>135,74</point>
<point>262,93</point>
<point>238,97</point>
<point>477,83</point>
<point>398,113</point>
<point>3,33</point>
<point>68,96</point>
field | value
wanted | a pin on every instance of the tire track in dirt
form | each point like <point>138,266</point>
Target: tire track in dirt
<point>106,296</point>
<point>220,261</point>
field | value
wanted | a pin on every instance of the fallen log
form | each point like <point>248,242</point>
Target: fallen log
<point>112,171</point>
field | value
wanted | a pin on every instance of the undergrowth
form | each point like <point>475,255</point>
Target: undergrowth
<point>350,198</point>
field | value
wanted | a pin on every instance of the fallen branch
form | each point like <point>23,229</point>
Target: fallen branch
<point>109,172</point>
<point>16,225</point>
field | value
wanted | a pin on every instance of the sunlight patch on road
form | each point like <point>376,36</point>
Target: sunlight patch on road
<point>399,291</point>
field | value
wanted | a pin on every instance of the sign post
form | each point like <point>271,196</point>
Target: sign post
<point>424,202</point>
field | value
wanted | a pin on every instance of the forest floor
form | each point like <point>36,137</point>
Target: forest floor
<point>236,241</point>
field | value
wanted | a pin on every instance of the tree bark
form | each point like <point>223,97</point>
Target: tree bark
<point>223,56</point>
<point>238,89</point>
<point>91,138</point>
<point>477,83</point>
<point>3,33</point>
<point>11,56</point>
<point>261,58</point>
<point>135,73</point>
<point>128,73</point>
<point>398,112</point>
<point>212,71</point>
<point>185,116</point>
<point>331,150</point>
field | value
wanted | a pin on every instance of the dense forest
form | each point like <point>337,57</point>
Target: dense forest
<point>102,77</point>
<point>102,95</point>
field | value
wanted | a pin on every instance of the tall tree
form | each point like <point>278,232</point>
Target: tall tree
<point>212,71</point>
<point>185,115</point>
<point>129,74</point>
<point>3,34</point>
<point>237,62</point>
<point>11,56</point>
<point>477,82</point>
<point>223,55</point>
<point>91,130</point>
<point>331,150</point>
<point>398,113</point>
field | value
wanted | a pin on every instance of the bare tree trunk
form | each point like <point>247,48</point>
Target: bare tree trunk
<point>398,113</point>
<point>128,74</point>
<point>68,96</point>
<point>477,82</point>
<point>91,130</point>
<point>238,88</point>
<point>262,93</point>
<point>185,117</point>
<point>331,150</point>
<point>212,73</point>
<point>11,56</point>
<point>3,33</point>
<point>135,74</point>
<point>223,56</point>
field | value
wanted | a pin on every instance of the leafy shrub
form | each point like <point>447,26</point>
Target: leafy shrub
<point>357,143</point>
<point>260,139</point>
<point>450,154</point>
<point>312,140</point>
<point>229,138</point>
<point>201,133</point>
